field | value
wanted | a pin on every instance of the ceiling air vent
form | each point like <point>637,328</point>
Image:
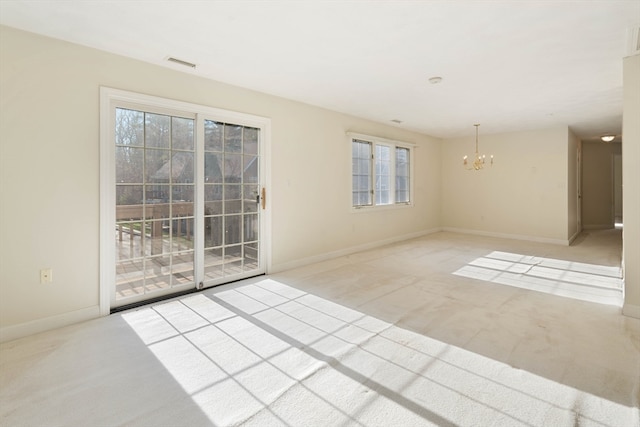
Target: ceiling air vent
<point>181,62</point>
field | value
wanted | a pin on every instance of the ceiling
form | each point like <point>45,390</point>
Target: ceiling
<point>509,65</point>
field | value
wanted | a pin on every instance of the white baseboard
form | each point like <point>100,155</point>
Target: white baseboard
<point>508,236</point>
<point>631,310</point>
<point>347,251</point>
<point>20,330</point>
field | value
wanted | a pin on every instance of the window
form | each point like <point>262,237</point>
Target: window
<point>361,173</point>
<point>402,175</point>
<point>380,173</point>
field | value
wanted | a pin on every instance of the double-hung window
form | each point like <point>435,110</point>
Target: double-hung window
<point>381,172</point>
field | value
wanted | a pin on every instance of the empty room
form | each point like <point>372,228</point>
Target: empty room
<point>320,213</point>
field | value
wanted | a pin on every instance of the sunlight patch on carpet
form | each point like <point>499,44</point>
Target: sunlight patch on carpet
<point>588,282</point>
<point>267,353</point>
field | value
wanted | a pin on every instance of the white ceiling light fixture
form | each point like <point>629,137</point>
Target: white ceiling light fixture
<point>479,161</point>
<point>607,138</point>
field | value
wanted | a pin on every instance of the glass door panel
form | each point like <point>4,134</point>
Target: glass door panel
<point>155,188</point>
<point>231,165</point>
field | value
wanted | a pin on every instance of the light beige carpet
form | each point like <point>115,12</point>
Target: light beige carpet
<point>403,335</point>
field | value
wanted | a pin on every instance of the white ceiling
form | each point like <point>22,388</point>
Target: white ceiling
<point>509,65</point>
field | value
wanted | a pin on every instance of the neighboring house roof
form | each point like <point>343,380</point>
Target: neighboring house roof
<point>181,164</point>
<point>178,166</point>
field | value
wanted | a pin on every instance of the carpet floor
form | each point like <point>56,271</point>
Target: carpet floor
<point>445,330</point>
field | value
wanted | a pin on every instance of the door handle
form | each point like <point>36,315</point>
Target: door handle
<point>263,198</point>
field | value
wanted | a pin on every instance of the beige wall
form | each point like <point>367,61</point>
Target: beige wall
<point>597,184</point>
<point>49,166</point>
<point>630,184</point>
<point>524,194</point>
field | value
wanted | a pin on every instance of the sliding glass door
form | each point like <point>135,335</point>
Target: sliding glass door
<point>186,208</point>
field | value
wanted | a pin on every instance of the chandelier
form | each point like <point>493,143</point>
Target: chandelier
<point>479,161</point>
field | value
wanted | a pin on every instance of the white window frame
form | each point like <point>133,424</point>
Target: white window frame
<point>393,144</point>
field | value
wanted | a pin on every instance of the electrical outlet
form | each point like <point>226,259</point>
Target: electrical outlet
<point>46,276</point>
